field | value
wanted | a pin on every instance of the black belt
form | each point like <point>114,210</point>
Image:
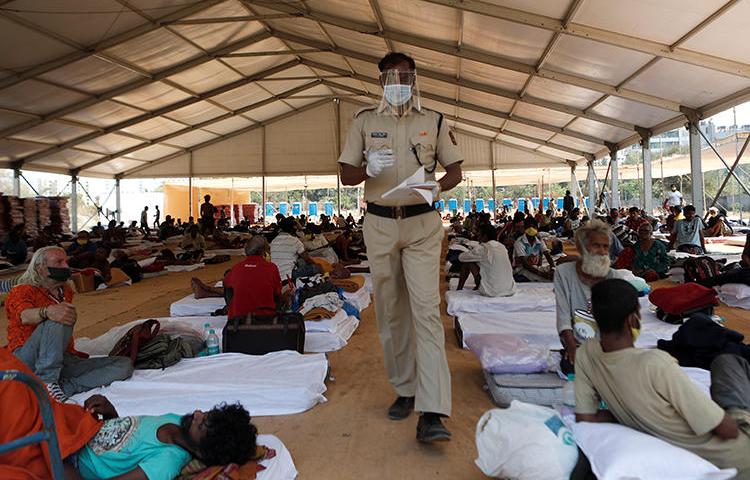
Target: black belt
<point>399,212</point>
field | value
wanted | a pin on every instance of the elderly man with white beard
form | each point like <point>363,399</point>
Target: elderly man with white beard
<point>573,282</point>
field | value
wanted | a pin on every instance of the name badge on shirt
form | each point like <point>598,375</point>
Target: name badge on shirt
<point>379,134</point>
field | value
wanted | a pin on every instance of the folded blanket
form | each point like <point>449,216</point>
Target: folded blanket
<point>351,284</point>
<point>319,313</point>
<point>197,470</point>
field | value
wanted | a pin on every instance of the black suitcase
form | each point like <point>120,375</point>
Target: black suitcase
<point>258,335</point>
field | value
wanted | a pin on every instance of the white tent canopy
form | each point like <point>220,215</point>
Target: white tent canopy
<point>157,88</point>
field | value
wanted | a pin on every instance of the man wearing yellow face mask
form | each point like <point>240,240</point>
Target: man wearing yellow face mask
<point>646,389</point>
<point>82,244</point>
<point>528,251</point>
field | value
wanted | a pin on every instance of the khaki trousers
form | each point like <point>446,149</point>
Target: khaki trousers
<point>404,257</point>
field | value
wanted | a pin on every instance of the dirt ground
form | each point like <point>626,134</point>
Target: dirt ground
<point>350,435</point>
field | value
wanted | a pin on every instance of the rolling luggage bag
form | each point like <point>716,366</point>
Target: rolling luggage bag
<point>258,335</point>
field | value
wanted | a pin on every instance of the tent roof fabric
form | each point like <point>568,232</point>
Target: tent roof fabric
<point>245,87</point>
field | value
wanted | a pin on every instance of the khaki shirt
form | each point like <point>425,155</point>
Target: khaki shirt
<point>408,136</point>
<point>646,390</point>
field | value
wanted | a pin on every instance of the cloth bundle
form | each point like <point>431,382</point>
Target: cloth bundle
<point>319,313</point>
<point>197,470</point>
<point>330,301</point>
<point>351,284</point>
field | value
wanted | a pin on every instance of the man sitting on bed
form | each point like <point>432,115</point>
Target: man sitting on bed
<point>528,253</point>
<point>289,254</point>
<point>646,390</point>
<point>572,285</point>
<point>129,448</point>
<point>41,317</point>
<point>489,262</point>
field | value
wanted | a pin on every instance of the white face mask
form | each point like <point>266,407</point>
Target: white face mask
<point>397,95</point>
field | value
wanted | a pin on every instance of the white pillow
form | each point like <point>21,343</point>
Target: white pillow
<point>617,452</point>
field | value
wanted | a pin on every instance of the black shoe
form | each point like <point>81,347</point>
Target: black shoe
<point>431,429</point>
<point>401,408</point>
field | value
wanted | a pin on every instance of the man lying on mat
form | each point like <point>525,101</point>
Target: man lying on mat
<point>129,448</point>
<point>41,317</point>
<point>646,390</point>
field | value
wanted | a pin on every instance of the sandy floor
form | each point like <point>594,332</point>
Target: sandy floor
<point>349,436</point>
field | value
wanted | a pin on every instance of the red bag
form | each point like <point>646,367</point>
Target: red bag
<point>675,303</point>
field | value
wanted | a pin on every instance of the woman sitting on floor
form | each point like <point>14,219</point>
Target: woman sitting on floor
<point>647,259</point>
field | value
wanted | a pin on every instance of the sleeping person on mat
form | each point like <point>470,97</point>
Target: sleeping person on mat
<point>129,448</point>
<point>646,390</point>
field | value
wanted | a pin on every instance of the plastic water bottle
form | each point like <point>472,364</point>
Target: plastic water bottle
<point>206,331</point>
<point>569,396</point>
<point>212,343</point>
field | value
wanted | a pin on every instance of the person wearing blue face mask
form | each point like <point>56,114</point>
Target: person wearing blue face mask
<point>41,317</point>
<point>387,144</point>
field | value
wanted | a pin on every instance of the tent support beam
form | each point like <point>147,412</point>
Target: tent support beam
<point>494,185</point>
<point>118,201</point>
<point>647,194</point>
<point>337,138</point>
<point>263,173</point>
<point>615,183</point>
<point>74,204</point>
<point>190,184</point>
<point>592,184</point>
<point>17,182</point>
<point>696,174</point>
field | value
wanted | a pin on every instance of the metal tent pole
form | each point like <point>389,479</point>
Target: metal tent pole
<point>74,204</point>
<point>337,137</point>
<point>494,184</point>
<point>648,180</point>
<point>263,174</point>
<point>190,184</point>
<point>17,182</point>
<point>615,182</point>
<point>696,172</point>
<point>592,184</point>
<point>118,204</point>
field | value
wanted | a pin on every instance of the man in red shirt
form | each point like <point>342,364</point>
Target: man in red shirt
<point>254,284</point>
<point>41,317</point>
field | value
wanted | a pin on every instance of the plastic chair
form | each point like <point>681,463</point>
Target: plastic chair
<point>47,434</point>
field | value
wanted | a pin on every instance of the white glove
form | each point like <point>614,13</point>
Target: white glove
<point>377,160</point>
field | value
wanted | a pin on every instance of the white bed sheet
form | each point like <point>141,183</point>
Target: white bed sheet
<point>540,328</point>
<point>279,383</point>
<point>280,467</point>
<point>535,297</point>
<point>184,268</point>
<point>315,341</point>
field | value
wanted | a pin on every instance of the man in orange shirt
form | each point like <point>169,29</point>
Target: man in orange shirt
<point>41,317</point>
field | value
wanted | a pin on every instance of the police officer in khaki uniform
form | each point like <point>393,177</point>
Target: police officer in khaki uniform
<point>386,145</point>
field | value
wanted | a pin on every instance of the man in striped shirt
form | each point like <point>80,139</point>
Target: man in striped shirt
<point>289,254</point>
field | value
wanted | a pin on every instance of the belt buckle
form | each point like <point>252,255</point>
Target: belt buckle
<point>398,212</point>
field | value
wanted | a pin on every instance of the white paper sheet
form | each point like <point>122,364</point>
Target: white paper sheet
<point>413,188</point>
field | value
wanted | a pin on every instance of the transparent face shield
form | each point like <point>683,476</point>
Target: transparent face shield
<point>400,91</point>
